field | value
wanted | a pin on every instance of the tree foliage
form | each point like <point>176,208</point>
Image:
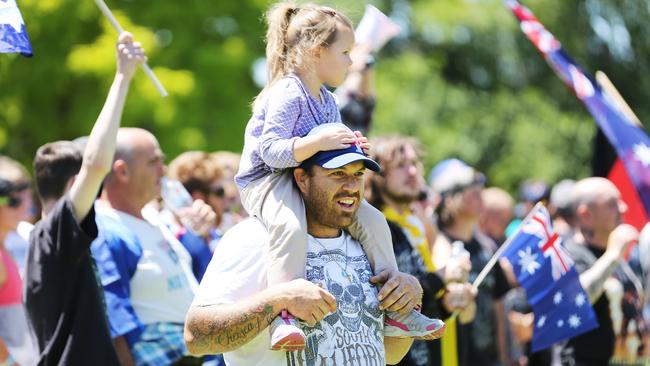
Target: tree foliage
<point>462,78</point>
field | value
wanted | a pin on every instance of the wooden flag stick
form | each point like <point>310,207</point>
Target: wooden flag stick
<point>609,87</point>
<point>145,67</point>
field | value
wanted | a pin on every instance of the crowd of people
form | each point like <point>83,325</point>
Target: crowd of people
<point>342,246</point>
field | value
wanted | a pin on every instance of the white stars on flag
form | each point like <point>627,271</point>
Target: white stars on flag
<point>560,323</point>
<point>557,298</point>
<point>527,261</point>
<point>580,299</point>
<point>642,154</point>
<point>574,321</point>
<point>541,321</point>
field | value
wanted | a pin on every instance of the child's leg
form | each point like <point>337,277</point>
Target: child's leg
<point>278,204</point>
<point>371,230</point>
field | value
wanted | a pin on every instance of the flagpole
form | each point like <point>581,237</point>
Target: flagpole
<point>145,67</point>
<point>609,87</point>
<point>488,267</point>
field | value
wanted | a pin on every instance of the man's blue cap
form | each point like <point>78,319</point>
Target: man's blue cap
<point>333,159</point>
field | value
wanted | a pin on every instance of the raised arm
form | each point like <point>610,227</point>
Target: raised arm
<point>593,279</point>
<point>212,329</point>
<point>100,148</point>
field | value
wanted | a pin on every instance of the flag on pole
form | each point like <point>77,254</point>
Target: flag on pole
<point>13,35</point>
<point>546,271</point>
<point>631,173</point>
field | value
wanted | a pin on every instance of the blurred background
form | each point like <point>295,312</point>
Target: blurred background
<point>461,77</point>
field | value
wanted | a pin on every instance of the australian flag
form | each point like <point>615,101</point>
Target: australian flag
<point>13,35</point>
<point>630,141</point>
<point>545,270</point>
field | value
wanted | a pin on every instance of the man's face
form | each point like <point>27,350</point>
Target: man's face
<point>607,211</point>
<point>495,221</point>
<point>333,196</point>
<point>472,202</point>
<point>403,177</point>
<point>146,168</point>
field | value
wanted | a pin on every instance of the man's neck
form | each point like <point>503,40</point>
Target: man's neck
<point>122,203</point>
<point>590,237</point>
<point>318,230</point>
<point>400,207</point>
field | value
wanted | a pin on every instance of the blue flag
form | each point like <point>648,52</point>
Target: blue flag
<point>546,271</point>
<point>630,141</point>
<point>13,35</point>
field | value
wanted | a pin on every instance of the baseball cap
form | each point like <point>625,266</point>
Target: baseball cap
<point>333,159</point>
<point>453,175</point>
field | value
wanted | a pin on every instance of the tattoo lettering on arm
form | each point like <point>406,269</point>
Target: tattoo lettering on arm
<point>222,328</point>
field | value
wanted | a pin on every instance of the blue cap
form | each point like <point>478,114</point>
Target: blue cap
<point>333,159</point>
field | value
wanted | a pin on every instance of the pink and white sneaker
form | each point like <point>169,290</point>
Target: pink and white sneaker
<point>285,333</point>
<point>412,325</point>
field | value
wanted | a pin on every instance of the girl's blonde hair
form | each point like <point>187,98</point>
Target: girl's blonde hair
<point>293,31</point>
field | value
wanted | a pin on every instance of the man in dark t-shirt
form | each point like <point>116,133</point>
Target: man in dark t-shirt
<point>483,342</point>
<point>598,246</point>
<point>63,298</point>
<point>394,192</point>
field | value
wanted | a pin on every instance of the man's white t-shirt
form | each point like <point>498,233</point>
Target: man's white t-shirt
<point>354,335</point>
<point>163,285</point>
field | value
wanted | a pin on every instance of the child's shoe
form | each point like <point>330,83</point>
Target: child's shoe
<point>285,333</point>
<point>412,325</point>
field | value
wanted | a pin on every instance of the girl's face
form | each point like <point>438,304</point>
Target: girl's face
<point>333,62</point>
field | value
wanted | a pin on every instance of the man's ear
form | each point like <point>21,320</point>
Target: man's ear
<point>301,177</point>
<point>120,170</point>
<point>582,213</point>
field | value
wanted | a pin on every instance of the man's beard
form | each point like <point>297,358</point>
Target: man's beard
<point>319,207</point>
<point>400,198</point>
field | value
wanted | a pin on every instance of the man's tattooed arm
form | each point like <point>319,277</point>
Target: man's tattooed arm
<point>221,328</point>
<point>593,279</point>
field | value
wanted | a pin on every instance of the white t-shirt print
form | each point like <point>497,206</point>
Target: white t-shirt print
<point>354,334</point>
<point>351,336</point>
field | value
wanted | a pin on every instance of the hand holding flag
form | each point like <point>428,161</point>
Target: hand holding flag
<point>145,67</point>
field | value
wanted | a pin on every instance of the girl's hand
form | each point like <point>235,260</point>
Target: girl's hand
<point>362,141</point>
<point>335,139</point>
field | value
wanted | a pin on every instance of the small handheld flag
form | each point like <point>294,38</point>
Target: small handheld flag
<point>545,270</point>
<point>13,35</point>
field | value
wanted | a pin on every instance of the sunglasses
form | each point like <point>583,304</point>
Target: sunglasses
<point>218,191</point>
<point>11,201</point>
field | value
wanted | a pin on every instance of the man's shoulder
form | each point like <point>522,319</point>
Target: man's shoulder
<point>250,231</point>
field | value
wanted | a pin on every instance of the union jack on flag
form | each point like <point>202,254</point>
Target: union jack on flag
<point>550,243</point>
<point>546,271</point>
<point>630,141</point>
